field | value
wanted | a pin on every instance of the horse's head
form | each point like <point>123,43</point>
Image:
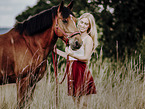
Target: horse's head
<point>65,26</point>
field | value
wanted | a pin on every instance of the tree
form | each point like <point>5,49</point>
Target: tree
<point>122,28</point>
<point>30,11</point>
<point>120,23</point>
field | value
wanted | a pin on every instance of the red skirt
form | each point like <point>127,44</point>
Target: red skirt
<point>80,80</point>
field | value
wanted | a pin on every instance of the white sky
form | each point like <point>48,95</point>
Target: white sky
<point>9,9</point>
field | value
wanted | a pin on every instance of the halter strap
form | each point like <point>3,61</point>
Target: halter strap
<point>54,57</point>
<point>73,34</point>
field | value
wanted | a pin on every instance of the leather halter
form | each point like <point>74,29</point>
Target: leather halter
<point>65,34</point>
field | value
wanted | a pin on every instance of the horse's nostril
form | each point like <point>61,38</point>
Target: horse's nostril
<point>77,43</point>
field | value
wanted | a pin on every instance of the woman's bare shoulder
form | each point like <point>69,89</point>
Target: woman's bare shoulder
<point>89,39</point>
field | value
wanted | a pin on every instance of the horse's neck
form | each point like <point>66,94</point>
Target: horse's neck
<point>42,42</point>
<point>46,39</point>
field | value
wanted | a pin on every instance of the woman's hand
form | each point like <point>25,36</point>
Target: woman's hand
<point>68,51</point>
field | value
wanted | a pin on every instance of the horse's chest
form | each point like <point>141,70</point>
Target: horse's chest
<point>39,64</point>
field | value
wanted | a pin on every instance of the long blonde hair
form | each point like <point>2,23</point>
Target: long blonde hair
<point>92,31</point>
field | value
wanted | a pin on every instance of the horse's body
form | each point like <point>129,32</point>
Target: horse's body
<point>20,55</point>
<point>24,50</point>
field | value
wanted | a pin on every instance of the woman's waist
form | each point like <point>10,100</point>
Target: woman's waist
<point>77,61</point>
<point>72,58</point>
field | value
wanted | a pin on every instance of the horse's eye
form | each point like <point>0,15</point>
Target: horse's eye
<point>64,20</point>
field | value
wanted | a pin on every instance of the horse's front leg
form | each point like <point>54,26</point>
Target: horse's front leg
<point>22,87</point>
<point>24,92</point>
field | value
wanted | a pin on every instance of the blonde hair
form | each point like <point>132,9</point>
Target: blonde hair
<point>92,31</point>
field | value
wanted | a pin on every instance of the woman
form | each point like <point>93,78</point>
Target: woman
<point>80,80</point>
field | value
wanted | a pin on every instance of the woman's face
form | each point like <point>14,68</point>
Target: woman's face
<point>83,25</point>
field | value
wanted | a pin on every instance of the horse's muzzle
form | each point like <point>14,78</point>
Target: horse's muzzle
<point>76,45</point>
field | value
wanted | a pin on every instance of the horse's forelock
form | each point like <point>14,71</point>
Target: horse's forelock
<point>66,12</point>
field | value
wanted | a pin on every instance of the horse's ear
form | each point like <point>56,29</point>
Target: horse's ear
<point>70,5</point>
<point>60,6</point>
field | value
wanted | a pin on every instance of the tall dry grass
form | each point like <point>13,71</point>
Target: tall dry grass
<point>119,86</point>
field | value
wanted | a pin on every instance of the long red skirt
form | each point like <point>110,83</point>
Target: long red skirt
<point>80,80</point>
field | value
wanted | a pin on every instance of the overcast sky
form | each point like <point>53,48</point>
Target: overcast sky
<point>9,9</point>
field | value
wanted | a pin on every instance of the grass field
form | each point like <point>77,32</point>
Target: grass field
<point>119,86</point>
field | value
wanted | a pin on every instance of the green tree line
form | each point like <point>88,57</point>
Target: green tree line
<point>120,24</point>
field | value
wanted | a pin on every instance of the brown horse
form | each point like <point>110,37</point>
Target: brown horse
<point>24,49</point>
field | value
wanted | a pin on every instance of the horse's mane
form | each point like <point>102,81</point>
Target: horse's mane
<point>40,22</point>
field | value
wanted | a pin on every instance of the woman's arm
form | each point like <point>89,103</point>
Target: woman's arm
<point>61,53</point>
<point>87,51</point>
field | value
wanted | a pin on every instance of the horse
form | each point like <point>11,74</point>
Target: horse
<point>25,48</point>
